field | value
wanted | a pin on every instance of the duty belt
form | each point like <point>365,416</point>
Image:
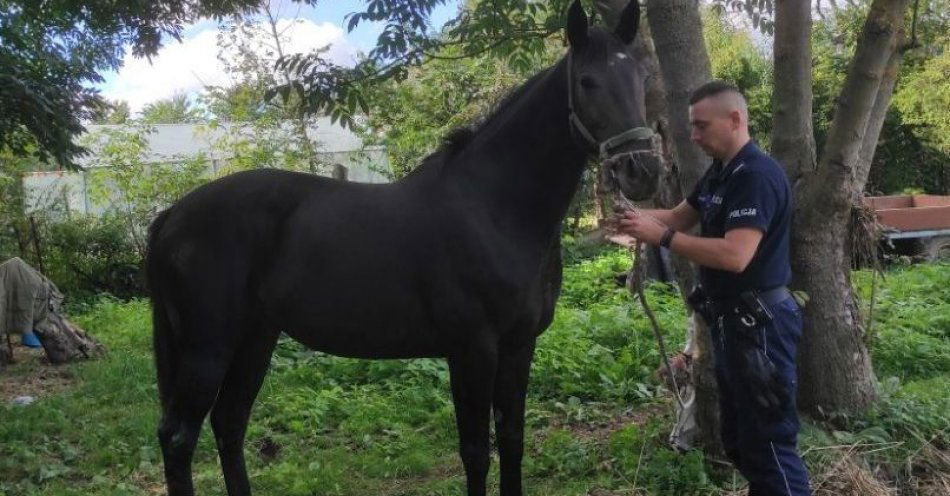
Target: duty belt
<point>722,306</point>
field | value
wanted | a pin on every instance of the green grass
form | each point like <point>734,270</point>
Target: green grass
<point>911,320</point>
<point>331,426</point>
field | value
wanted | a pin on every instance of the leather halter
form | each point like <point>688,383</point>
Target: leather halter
<point>606,146</point>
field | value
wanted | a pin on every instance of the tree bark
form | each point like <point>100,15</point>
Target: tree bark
<point>793,141</point>
<point>835,370</point>
<point>677,32</point>
<point>64,341</point>
<point>872,133</point>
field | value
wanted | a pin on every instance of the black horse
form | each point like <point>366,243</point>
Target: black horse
<point>460,259</point>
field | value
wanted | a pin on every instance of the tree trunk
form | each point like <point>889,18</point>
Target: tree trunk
<point>862,237</point>
<point>835,369</point>
<point>65,342</point>
<point>677,32</point>
<point>676,59</point>
<point>872,133</point>
<point>793,141</point>
<point>676,28</point>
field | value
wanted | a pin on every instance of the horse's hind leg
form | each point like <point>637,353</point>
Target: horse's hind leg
<point>231,411</point>
<point>198,377</point>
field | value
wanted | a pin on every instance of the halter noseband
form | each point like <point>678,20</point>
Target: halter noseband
<point>609,144</point>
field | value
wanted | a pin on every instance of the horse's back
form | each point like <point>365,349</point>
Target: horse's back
<point>225,229</point>
<point>242,195</point>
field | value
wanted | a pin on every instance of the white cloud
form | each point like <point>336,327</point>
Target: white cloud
<point>305,35</point>
<point>188,66</point>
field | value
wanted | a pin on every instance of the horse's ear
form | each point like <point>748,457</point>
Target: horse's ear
<point>577,25</point>
<point>629,22</point>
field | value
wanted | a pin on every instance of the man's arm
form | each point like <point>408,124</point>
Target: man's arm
<point>681,217</point>
<point>731,253</point>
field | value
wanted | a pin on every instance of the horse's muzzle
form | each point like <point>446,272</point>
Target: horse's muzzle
<point>635,171</point>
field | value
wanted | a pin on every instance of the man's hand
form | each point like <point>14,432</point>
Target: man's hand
<point>641,226</point>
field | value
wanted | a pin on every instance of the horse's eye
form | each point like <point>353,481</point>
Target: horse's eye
<point>588,83</point>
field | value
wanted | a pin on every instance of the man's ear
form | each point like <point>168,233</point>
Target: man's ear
<point>736,117</point>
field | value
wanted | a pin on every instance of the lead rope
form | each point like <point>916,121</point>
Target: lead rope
<point>636,288</point>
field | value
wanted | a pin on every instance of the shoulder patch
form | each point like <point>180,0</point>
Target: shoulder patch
<point>742,212</point>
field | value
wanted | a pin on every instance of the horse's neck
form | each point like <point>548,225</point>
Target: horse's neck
<point>523,164</point>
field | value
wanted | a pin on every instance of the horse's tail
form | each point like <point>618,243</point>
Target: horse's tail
<point>165,317</point>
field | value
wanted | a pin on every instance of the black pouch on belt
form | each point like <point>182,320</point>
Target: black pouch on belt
<point>765,382</point>
<point>753,312</point>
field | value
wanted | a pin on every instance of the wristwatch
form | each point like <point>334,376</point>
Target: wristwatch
<point>667,237</point>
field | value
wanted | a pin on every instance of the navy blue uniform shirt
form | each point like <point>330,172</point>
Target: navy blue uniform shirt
<point>750,191</point>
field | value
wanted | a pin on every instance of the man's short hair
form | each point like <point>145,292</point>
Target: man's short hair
<point>714,88</point>
<point>728,97</point>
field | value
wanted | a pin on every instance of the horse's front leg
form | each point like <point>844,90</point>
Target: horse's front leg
<point>511,384</point>
<point>472,374</point>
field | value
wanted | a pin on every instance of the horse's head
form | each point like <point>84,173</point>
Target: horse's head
<point>606,99</point>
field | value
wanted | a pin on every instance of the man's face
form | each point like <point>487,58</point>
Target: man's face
<point>713,127</point>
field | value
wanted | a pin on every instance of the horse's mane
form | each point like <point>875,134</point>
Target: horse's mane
<point>458,139</point>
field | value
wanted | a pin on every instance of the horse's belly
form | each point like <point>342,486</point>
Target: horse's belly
<point>364,345</point>
<point>365,331</point>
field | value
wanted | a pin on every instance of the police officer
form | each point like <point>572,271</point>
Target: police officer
<point>743,204</point>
